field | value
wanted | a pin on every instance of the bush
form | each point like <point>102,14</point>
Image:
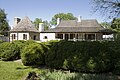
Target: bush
<point>1,41</point>
<point>9,51</point>
<point>33,54</point>
<point>3,47</point>
<point>20,43</point>
<point>82,56</point>
<point>29,42</point>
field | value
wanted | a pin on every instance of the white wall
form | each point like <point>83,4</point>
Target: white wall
<point>19,36</point>
<point>11,36</point>
<point>50,36</point>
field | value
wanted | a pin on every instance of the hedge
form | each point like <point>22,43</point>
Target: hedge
<point>83,56</point>
<point>9,51</point>
<point>33,54</point>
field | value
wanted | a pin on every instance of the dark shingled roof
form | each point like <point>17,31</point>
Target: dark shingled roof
<point>24,25</point>
<point>74,26</point>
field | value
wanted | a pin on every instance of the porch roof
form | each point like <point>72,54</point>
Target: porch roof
<point>78,30</point>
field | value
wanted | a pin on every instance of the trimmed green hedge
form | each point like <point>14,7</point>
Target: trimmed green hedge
<point>9,51</point>
<point>83,56</point>
<point>33,54</point>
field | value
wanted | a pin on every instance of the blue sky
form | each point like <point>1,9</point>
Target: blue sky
<point>46,9</point>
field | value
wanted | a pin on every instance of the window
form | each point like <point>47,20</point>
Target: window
<point>45,37</point>
<point>25,36</point>
<point>13,36</point>
<point>59,36</point>
<point>89,36</point>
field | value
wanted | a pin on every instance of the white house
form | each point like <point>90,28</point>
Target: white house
<point>24,30</point>
<point>78,30</point>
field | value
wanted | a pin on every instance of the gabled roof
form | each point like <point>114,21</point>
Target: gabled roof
<point>25,25</point>
<point>90,25</point>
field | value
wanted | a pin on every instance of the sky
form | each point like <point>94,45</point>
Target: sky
<point>46,9</point>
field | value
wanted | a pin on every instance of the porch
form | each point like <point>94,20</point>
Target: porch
<point>81,36</point>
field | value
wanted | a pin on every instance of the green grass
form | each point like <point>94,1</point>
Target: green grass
<point>14,70</point>
<point>17,71</point>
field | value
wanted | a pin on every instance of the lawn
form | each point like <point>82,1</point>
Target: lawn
<point>14,70</point>
<point>11,70</point>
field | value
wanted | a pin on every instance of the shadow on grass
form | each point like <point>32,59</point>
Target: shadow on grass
<point>32,67</point>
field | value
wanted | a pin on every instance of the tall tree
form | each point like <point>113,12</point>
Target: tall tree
<point>116,24</point>
<point>37,21</point>
<point>108,8</point>
<point>106,25</point>
<point>4,27</point>
<point>46,25</point>
<point>62,16</point>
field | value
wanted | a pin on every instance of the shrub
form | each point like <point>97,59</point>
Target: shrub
<point>10,51</point>
<point>3,47</point>
<point>1,41</point>
<point>29,42</point>
<point>20,44</point>
<point>33,54</point>
<point>82,56</point>
<point>61,75</point>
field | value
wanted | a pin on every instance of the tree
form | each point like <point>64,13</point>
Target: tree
<point>46,25</point>
<point>62,16</point>
<point>116,24</point>
<point>108,8</point>
<point>39,20</point>
<point>106,25</point>
<point>4,27</point>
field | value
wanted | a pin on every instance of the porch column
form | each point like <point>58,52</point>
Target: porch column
<point>83,36</point>
<point>75,36</point>
<point>63,36</point>
<point>95,37</point>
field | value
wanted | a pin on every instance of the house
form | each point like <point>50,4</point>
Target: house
<point>24,30</point>
<point>73,30</point>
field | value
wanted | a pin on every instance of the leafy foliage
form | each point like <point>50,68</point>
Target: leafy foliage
<point>4,27</point>
<point>116,24</point>
<point>33,54</point>
<point>37,21</point>
<point>62,16</point>
<point>82,56</point>
<point>106,25</point>
<point>3,47</point>
<point>9,51</point>
<point>61,75</point>
<point>45,23</point>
